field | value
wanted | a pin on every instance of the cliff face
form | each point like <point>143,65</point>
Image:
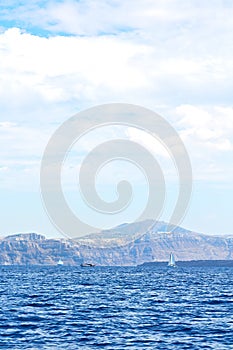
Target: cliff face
<point>35,249</point>
<point>128,244</point>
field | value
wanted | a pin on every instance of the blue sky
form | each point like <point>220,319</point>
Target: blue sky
<point>60,57</point>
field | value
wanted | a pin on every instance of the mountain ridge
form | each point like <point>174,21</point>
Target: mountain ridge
<point>126,244</point>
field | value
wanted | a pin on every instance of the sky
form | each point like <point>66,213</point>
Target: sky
<point>58,58</point>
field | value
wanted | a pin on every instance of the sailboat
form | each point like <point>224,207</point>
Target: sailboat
<point>172,262</point>
<point>60,262</point>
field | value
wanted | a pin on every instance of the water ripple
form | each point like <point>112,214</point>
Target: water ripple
<point>116,308</point>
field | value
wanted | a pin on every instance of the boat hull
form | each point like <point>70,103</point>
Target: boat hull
<point>87,265</point>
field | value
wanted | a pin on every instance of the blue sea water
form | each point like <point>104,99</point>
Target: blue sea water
<point>116,308</point>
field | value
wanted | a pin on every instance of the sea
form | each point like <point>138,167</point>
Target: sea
<point>144,307</point>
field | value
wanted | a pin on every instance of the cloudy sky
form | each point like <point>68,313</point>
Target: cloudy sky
<point>60,57</point>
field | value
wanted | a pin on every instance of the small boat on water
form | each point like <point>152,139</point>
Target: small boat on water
<point>87,265</point>
<point>60,262</point>
<point>172,262</point>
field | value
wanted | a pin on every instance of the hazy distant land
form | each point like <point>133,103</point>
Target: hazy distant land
<point>124,245</point>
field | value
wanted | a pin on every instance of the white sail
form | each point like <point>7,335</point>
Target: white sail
<point>60,262</point>
<point>172,260</point>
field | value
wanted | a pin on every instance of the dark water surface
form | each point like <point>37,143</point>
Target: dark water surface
<point>116,308</point>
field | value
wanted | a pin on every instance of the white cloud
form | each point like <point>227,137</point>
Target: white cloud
<point>61,68</point>
<point>38,71</point>
<point>208,134</point>
<point>21,140</point>
<point>21,149</point>
<point>159,54</point>
<point>213,124</point>
<point>89,17</point>
<point>4,168</point>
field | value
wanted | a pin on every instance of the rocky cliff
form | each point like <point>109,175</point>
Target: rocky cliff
<point>127,244</point>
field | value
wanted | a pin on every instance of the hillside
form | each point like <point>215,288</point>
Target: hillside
<point>127,244</point>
